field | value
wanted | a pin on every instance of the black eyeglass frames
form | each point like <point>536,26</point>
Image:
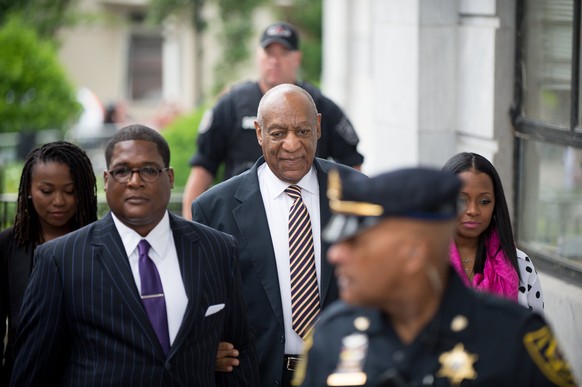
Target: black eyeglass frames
<point>124,174</point>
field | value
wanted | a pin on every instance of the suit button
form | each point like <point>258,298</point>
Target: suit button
<point>167,366</point>
<point>282,339</point>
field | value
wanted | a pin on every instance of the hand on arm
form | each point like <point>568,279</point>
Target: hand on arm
<point>236,354</point>
<point>226,357</point>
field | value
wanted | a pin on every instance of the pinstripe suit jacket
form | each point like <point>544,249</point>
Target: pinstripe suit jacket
<point>236,207</point>
<point>83,323</point>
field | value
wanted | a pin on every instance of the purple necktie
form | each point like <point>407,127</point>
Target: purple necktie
<point>152,295</point>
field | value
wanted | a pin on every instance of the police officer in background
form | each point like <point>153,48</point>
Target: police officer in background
<point>406,318</point>
<point>227,133</point>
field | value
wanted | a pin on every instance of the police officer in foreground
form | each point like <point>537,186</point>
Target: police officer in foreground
<point>405,318</point>
<point>227,133</point>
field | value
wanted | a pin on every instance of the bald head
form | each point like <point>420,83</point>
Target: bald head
<point>279,96</point>
<point>288,127</point>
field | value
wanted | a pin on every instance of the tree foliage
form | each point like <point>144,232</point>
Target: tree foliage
<point>35,93</point>
<point>237,20</point>
<point>45,16</point>
<point>181,136</point>
<point>237,27</point>
<point>307,15</point>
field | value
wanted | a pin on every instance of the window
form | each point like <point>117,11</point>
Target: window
<point>145,66</point>
<point>546,116</point>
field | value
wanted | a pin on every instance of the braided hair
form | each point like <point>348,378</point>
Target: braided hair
<point>27,229</point>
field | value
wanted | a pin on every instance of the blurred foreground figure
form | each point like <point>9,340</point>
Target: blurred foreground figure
<point>406,318</point>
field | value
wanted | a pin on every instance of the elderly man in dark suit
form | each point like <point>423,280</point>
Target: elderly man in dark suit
<point>275,210</point>
<point>138,298</point>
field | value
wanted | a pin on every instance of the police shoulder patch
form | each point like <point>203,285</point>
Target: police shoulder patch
<point>543,349</point>
<point>206,121</point>
<point>347,131</point>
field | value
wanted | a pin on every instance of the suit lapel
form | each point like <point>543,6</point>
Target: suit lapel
<point>252,221</point>
<point>109,252</point>
<point>327,270</point>
<point>188,251</point>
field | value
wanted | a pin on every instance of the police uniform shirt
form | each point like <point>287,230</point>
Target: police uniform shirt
<point>473,340</point>
<point>227,133</point>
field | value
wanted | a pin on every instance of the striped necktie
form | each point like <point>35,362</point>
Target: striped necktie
<point>152,295</point>
<point>305,303</point>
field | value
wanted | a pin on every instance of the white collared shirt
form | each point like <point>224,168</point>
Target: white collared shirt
<point>277,205</point>
<point>163,254</point>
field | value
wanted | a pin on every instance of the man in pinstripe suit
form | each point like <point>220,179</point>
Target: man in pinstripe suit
<point>83,322</point>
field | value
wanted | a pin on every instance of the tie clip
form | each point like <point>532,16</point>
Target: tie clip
<point>152,296</point>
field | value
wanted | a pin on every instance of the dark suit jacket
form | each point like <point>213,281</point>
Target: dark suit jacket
<point>236,207</point>
<point>83,322</point>
<point>15,267</point>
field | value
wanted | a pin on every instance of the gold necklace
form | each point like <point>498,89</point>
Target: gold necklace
<point>465,268</point>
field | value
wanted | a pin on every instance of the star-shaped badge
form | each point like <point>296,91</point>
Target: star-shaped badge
<point>457,364</point>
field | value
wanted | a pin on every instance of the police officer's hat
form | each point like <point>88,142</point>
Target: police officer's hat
<point>282,33</point>
<point>359,202</point>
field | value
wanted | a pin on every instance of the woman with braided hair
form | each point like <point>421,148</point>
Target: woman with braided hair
<point>57,195</point>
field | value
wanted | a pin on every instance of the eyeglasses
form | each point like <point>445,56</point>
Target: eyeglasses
<point>123,175</point>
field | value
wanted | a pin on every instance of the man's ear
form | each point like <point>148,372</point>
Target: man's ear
<point>171,176</point>
<point>259,133</point>
<point>105,180</point>
<point>415,251</point>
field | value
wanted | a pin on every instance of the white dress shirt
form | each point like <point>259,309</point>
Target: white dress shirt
<point>163,254</point>
<point>277,205</point>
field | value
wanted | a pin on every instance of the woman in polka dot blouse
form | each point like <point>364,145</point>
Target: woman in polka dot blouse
<point>483,251</point>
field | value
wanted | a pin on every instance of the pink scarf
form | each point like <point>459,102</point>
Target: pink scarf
<point>498,277</point>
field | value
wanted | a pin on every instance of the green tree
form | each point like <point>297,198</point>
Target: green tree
<point>45,16</point>
<point>237,28</point>
<point>35,93</point>
<point>181,137</point>
<point>237,17</point>
<point>307,15</point>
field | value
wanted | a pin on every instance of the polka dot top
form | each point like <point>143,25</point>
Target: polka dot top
<point>530,291</point>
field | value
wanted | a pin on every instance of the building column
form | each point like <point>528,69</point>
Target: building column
<point>392,65</point>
